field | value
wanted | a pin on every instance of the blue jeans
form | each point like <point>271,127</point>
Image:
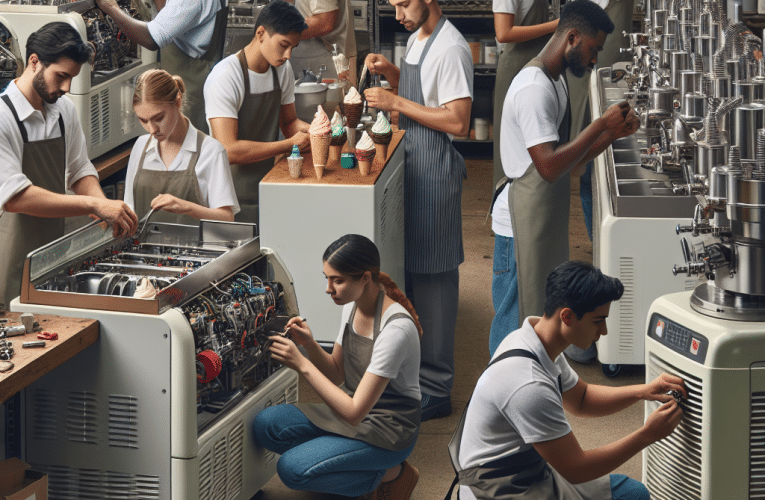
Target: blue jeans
<point>316,460</point>
<point>626,488</point>
<point>504,292</point>
<point>585,194</point>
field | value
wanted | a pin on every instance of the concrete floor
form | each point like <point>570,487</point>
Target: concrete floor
<point>472,353</point>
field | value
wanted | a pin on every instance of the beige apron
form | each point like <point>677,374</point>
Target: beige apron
<point>44,164</point>
<point>393,421</point>
<point>258,121</point>
<point>183,184</point>
<point>194,71</point>
<point>524,475</point>
<point>620,12</point>
<point>512,59</point>
<point>539,215</point>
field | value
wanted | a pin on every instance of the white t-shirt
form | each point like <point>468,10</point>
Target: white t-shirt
<point>447,71</point>
<point>212,169</point>
<point>519,8</point>
<point>515,403</point>
<point>396,353</point>
<point>38,127</point>
<point>188,24</point>
<point>343,35</point>
<point>224,87</point>
<point>532,113</point>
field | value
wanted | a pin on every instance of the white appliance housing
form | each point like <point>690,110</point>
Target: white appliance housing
<point>718,450</point>
<point>299,221</point>
<point>104,106</point>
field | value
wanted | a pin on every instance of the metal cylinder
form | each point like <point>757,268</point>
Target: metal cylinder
<point>690,81</point>
<point>668,45</point>
<point>705,47</point>
<point>686,15</point>
<point>678,61</point>
<point>709,156</point>
<point>734,69</point>
<point>682,128</point>
<point>751,92</point>
<point>659,20</point>
<point>694,105</point>
<point>744,123</point>
<point>718,182</point>
<point>661,98</point>
<point>672,26</point>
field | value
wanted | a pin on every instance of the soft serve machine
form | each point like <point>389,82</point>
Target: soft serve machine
<point>697,80</point>
<point>103,91</point>
<point>161,406</point>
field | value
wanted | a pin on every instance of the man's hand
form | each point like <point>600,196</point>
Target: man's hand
<point>122,219</point>
<point>170,203</point>
<point>662,421</point>
<point>377,63</point>
<point>616,114</point>
<point>628,127</point>
<point>379,98</point>
<point>303,141</point>
<point>657,390</point>
<point>106,5</point>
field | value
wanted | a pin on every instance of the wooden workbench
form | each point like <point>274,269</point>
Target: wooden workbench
<point>74,335</point>
<point>113,161</point>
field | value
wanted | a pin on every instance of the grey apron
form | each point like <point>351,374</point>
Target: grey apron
<point>194,71</point>
<point>539,215</point>
<point>393,421</point>
<point>524,475</point>
<point>183,184</point>
<point>258,121</point>
<point>512,59</point>
<point>620,12</point>
<point>432,184</point>
<point>44,164</point>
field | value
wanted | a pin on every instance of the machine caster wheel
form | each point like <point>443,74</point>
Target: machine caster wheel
<point>611,370</point>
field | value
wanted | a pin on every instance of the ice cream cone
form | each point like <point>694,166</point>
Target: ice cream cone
<point>352,114</point>
<point>296,166</point>
<point>381,151</point>
<point>320,150</point>
<point>334,153</point>
<point>364,167</point>
<point>365,158</point>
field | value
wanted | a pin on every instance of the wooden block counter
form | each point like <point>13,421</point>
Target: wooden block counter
<point>333,172</point>
<point>74,335</point>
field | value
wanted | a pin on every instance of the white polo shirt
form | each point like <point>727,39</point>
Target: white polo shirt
<point>515,403</point>
<point>212,169</point>
<point>187,23</point>
<point>38,127</point>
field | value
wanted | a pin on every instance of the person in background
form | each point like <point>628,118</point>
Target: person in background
<point>358,440</point>
<point>250,96</point>
<point>189,36</point>
<point>538,152</point>
<point>514,439</point>
<point>175,168</point>
<point>435,96</point>
<point>330,22</point>
<point>43,153</point>
<point>522,27</point>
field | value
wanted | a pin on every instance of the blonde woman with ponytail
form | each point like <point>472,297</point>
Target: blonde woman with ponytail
<point>357,442</point>
<point>175,168</point>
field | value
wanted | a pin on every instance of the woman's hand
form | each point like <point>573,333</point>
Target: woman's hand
<point>658,388</point>
<point>299,331</point>
<point>170,203</point>
<point>286,352</point>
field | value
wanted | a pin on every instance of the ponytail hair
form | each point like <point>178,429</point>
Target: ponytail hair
<point>158,86</point>
<point>353,255</point>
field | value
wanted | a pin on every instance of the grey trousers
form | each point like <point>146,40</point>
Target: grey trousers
<point>435,298</point>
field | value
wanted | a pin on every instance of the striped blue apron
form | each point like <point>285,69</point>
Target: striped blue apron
<point>433,176</point>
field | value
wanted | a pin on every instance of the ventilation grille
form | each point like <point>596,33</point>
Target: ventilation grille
<point>292,394</point>
<point>205,475</point>
<point>65,483</point>
<point>757,448</point>
<point>690,285</point>
<point>123,421</point>
<point>82,417</point>
<point>235,459</point>
<point>673,465</point>
<point>95,119</point>
<point>105,114</point>
<point>219,470</point>
<point>627,306</point>
<point>45,411</point>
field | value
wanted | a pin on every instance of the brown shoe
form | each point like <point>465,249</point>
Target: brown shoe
<point>400,488</point>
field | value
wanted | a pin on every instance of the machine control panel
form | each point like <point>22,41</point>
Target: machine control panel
<point>690,344</point>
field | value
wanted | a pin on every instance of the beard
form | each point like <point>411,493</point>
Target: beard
<point>38,83</point>
<point>424,17</point>
<point>574,62</point>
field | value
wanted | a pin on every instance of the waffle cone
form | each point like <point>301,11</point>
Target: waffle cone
<point>365,154</point>
<point>352,114</point>
<point>381,151</point>
<point>338,140</point>
<point>364,167</point>
<point>296,166</point>
<point>334,153</point>
<point>320,150</point>
<point>381,138</point>
<point>319,169</point>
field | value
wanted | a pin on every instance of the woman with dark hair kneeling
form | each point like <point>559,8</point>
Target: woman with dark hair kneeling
<point>359,439</point>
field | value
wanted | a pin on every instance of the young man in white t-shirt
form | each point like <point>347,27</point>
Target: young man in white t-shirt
<point>515,427</point>
<point>435,95</point>
<point>536,113</point>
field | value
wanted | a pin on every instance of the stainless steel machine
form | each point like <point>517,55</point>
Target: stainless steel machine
<point>161,407</point>
<point>103,91</point>
<point>697,80</point>
<point>698,87</point>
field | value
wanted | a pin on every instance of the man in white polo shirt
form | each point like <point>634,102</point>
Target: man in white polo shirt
<point>43,153</point>
<point>190,35</point>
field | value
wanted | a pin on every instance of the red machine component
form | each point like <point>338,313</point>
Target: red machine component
<point>212,365</point>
